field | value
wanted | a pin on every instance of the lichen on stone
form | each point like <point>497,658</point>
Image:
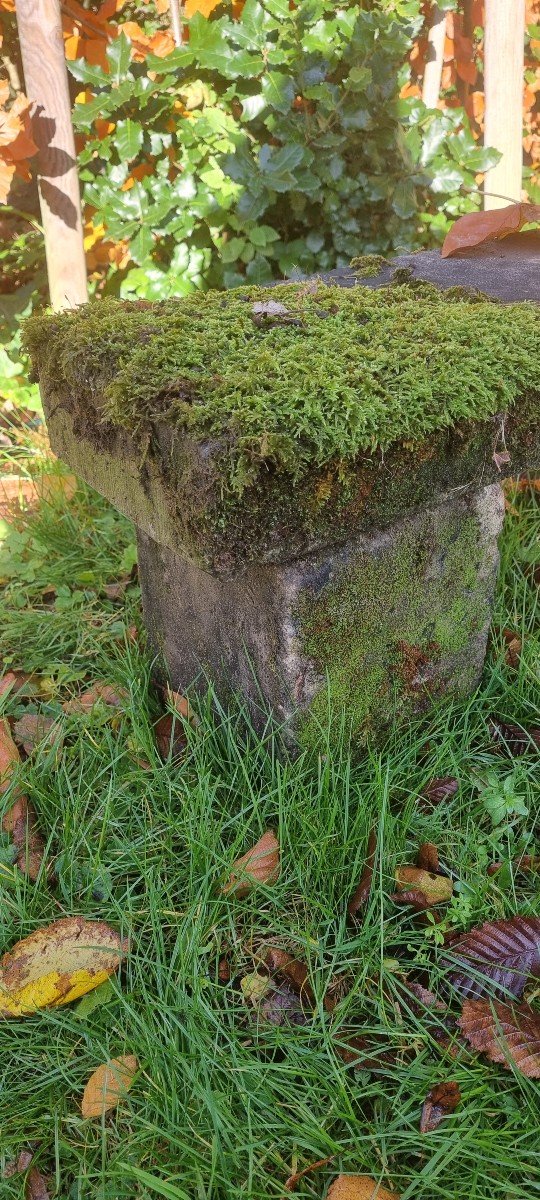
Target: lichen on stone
<point>337,373</point>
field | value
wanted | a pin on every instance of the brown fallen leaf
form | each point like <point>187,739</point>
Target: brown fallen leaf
<point>440,1100</point>
<point>478,227</point>
<point>54,484</point>
<point>182,706</point>
<point>57,964</point>
<point>224,970</point>
<point>428,857</point>
<point>361,894</point>
<point>117,590</point>
<point>20,820</point>
<point>505,1033</point>
<point>437,791</point>
<point>514,738</point>
<point>170,737</point>
<point>522,865</point>
<point>292,1182</point>
<point>108,1085</point>
<point>33,728</point>
<point>282,1006</point>
<point>9,756</point>
<point>362,1052</point>
<point>108,694</point>
<point>498,955</point>
<point>17,494</point>
<point>358,1187</point>
<point>437,889</point>
<point>259,865</point>
<point>295,972</point>
<point>35,1184</point>
<point>513,648</point>
<point>19,683</point>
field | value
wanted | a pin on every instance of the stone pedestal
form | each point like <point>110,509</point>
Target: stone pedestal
<point>355,591</point>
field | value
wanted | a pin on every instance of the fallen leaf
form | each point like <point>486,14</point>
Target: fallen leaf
<point>281,1006</point>
<point>413,896</point>
<point>513,648</point>
<point>295,972</point>
<point>18,683</point>
<point>475,228</point>
<point>499,953</point>
<point>515,738</point>
<point>436,888</point>
<point>254,987</point>
<point>292,1182</point>
<point>259,865</point>
<point>428,857</point>
<point>182,706</point>
<point>437,791</point>
<point>224,971</point>
<point>527,862</point>
<point>505,1033</point>
<point>440,1100</point>
<point>35,1184</point>
<point>106,693</point>
<point>57,964</point>
<point>33,728</point>
<point>21,822</point>
<point>109,1084</point>
<point>9,756</point>
<point>358,1050</point>
<point>358,1187</point>
<point>270,308</point>
<point>116,591</point>
<point>170,737</point>
<point>361,894</point>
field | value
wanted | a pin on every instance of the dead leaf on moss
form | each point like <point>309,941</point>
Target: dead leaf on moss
<point>475,228</point>
<point>258,865</point>
<point>358,1187</point>
<point>436,889</point>
<point>108,1085</point>
<point>57,964</point>
<point>106,693</point>
<point>504,1033</point>
<point>361,894</point>
<point>440,1100</point>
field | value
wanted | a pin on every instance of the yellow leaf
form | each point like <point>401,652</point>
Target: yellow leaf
<point>108,1085</point>
<point>436,888</point>
<point>358,1187</point>
<point>58,964</point>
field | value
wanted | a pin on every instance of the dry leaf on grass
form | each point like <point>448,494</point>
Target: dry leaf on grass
<point>358,1187</point>
<point>259,865</point>
<point>282,1006</point>
<point>513,648</point>
<point>33,728</point>
<point>9,756</point>
<point>170,737</point>
<point>437,791</point>
<point>20,820</point>
<point>108,1085</point>
<point>508,736</point>
<point>254,987</point>
<point>361,894</point>
<point>19,683</point>
<point>499,955</point>
<point>57,964</point>
<point>182,706</point>
<point>440,1100</point>
<point>478,227</point>
<point>35,1184</point>
<point>428,857</point>
<point>505,1033</point>
<point>108,694</point>
<point>295,972</point>
<point>436,889</point>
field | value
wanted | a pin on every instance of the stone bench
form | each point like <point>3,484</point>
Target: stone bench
<point>313,470</point>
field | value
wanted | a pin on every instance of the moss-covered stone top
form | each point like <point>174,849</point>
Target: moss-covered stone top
<point>297,376</point>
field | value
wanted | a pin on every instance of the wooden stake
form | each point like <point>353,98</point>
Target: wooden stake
<point>175,9</point>
<point>46,84</point>
<point>431,84</point>
<point>504,67</point>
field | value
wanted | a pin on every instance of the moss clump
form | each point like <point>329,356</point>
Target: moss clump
<point>390,626</point>
<point>317,376</point>
<point>368,265</point>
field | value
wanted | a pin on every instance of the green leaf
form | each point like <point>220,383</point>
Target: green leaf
<point>404,199</point>
<point>101,995</point>
<point>87,73</point>
<point>119,58</point>
<point>278,90</point>
<point>129,137</point>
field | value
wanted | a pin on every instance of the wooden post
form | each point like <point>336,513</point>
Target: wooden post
<point>46,84</point>
<point>431,83</point>
<point>175,9</point>
<point>504,36</point>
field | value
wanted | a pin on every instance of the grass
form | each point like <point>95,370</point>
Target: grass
<point>224,1107</point>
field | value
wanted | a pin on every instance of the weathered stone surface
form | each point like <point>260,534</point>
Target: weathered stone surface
<point>377,628</point>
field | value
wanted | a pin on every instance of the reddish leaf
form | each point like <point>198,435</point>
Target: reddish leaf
<point>437,791</point>
<point>527,862</point>
<point>499,953</point>
<point>440,1100</point>
<point>478,227</point>
<point>18,682</point>
<point>360,896</point>
<point>295,972</point>
<point>106,693</point>
<point>21,822</point>
<point>259,865</point>
<point>428,857</point>
<point>505,1033</point>
<point>170,737</point>
<point>413,896</point>
<point>360,1051</point>
<point>281,1006</point>
<point>9,756</point>
<point>514,738</point>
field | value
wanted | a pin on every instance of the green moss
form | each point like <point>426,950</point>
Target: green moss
<point>368,265</point>
<point>342,372</point>
<point>388,626</point>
